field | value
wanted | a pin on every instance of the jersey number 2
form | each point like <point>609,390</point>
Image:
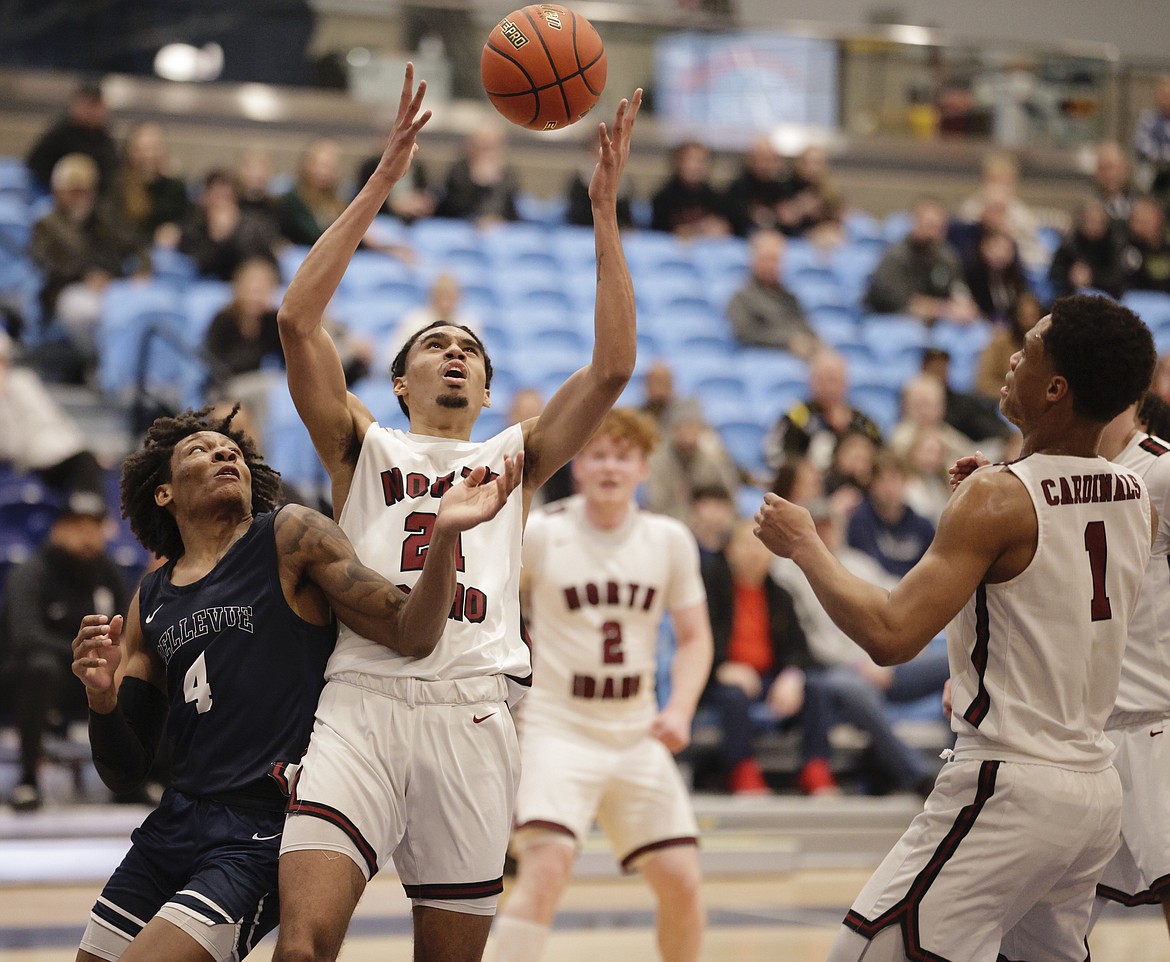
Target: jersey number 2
<point>196,688</point>
<point>1098,549</point>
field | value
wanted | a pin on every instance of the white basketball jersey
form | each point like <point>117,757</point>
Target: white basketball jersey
<point>1035,661</point>
<point>1145,669</point>
<point>595,606</point>
<point>389,514</point>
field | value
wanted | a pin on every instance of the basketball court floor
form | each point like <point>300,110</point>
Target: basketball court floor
<point>779,874</point>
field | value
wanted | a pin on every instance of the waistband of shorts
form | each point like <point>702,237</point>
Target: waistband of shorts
<point>416,691</point>
<point>1135,719</point>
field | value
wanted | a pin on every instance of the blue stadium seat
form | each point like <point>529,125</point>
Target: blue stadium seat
<point>369,270</point>
<point>16,223</point>
<point>287,446</point>
<point>437,235</point>
<point>289,259</point>
<point>201,301</point>
<point>1153,307</point>
<point>172,267</point>
<point>889,335</point>
<point>878,400</point>
<point>575,246</point>
<point>549,211</point>
<point>15,180</point>
<point>835,323</point>
<point>744,441</point>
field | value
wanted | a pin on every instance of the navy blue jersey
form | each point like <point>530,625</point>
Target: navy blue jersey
<point>243,670</point>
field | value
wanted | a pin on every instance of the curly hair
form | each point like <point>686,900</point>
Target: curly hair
<point>628,426</point>
<point>1105,352</point>
<point>398,365</point>
<point>144,470</point>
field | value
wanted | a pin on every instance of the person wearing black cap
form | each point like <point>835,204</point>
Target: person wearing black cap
<point>68,577</point>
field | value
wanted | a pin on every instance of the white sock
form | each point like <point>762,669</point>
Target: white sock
<point>518,940</point>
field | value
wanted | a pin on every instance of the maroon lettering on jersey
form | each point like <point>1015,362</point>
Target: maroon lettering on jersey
<point>584,686</point>
<point>392,490</point>
<point>607,689</point>
<point>611,593</point>
<point>417,484</point>
<point>1047,486</point>
<point>442,485</point>
<point>474,605</point>
<point>572,599</point>
<point>650,593</point>
<point>630,685</point>
<point>592,595</point>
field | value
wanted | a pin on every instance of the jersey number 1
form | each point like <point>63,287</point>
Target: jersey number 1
<point>196,687</point>
<point>1098,549</point>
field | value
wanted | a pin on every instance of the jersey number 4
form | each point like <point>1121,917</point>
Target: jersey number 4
<point>1098,549</point>
<point>196,688</point>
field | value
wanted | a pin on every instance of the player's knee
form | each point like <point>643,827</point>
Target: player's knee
<point>303,946</point>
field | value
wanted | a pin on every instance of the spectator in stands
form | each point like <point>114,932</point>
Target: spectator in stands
<point>316,199</point>
<point>924,406</point>
<point>37,434</point>
<point>760,652</point>
<point>851,688</point>
<point>763,312</point>
<point>1000,186</point>
<point>442,305</point>
<point>884,526</point>
<point>850,471</point>
<point>811,204</point>
<point>1112,185</point>
<point>973,415</point>
<point>814,426</point>
<point>220,234</point>
<point>481,185</point>
<point>753,197</point>
<point>799,480</point>
<point>69,576</point>
<point>686,204</point>
<point>243,337</point>
<point>78,247</point>
<point>928,487</point>
<point>148,198</point>
<point>1151,144</point>
<point>1007,339</point>
<point>690,457</point>
<point>527,403</point>
<point>995,276</point>
<point>253,179</point>
<point>1089,256</point>
<point>713,513</point>
<point>83,130</point>
<point>410,198</point>
<point>660,395</point>
<point>580,210</point>
<point>1146,255</point>
<point>921,274</point>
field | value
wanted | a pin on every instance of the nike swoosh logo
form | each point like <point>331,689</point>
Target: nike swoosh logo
<point>1152,734</point>
<point>476,719</point>
<point>264,838</point>
<point>149,618</point>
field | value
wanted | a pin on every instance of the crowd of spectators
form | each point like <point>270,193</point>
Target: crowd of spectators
<point>112,211</point>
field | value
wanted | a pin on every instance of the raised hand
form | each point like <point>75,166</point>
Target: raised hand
<point>613,152</point>
<point>97,652</point>
<point>965,467</point>
<point>403,142</point>
<point>472,501</point>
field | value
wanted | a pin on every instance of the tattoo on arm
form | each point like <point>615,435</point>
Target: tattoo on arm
<point>318,550</point>
<point>600,258</point>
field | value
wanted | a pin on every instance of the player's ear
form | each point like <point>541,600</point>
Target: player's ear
<point>399,386</point>
<point>1057,388</point>
<point>487,397</point>
<point>163,495</point>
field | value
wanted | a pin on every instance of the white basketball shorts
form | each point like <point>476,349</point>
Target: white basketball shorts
<point>635,792</point>
<point>1004,859</point>
<point>421,772</point>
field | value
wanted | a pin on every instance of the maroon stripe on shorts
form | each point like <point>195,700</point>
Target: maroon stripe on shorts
<point>1158,890</point>
<point>978,709</point>
<point>904,912</point>
<point>455,890</point>
<point>637,853</point>
<point>298,806</point>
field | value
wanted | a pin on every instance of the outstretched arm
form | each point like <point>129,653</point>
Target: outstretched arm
<point>315,377</point>
<point>574,411</point>
<point>987,531</point>
<point>312,547</point>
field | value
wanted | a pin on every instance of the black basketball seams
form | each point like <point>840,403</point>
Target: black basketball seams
<point>527,76</point>
<point>552,63</point>
<point>524,93</point>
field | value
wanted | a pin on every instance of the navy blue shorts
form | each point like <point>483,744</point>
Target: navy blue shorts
<point>215,861</point>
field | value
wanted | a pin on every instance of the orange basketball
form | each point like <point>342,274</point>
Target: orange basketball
<point>543,66</point>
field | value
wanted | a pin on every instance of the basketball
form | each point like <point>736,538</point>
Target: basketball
<point>543,66</point>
